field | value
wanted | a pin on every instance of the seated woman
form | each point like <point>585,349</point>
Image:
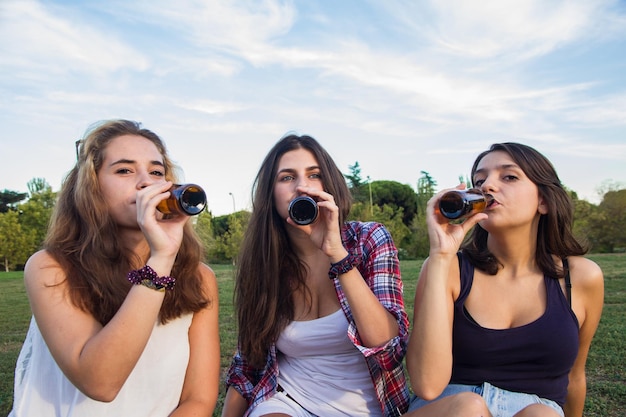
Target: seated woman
<point>503,326</point>
<point>310,345</point>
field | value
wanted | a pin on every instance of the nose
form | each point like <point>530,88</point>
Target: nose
<point>302,181</point>
<point>144,180</point>
<point>488,184</point>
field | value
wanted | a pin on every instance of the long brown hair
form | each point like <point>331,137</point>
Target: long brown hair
<point>268,270</point>
<point>554,236</point>
<point>82,236</point>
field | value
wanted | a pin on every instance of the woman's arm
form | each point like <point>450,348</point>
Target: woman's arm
<point>234,404</point>
<point>201,385</point>
<point>376,301</point>
<point>96,359</point>
<point>429,353</point>
<point>587,301</point>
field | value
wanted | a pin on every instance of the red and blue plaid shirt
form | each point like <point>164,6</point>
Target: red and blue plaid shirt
<point>379,266</point>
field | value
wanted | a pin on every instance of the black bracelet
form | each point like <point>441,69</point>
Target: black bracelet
<point>343,266</point>
<point>148,277</point>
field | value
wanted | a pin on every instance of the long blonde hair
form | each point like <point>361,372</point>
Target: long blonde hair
<point>82,236</point>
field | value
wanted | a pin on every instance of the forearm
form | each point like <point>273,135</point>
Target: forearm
<point>429,356</point>
<point>194,408</point>
<point>109,356</point>
<point>235,405</point>
<point>376,325</point>
<point>575,400</point>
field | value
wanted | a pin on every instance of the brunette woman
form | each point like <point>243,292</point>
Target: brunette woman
<point>503,327</point>
<point>322,326</point>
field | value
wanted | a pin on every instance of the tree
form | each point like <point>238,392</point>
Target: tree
<point>9,200</point>
<point>356,184</point>
<point>607,231</point>
<point>425,190</point>
<point>14,242</point>
<point>397,196</point>
<point>36,212</point>
<point>227,245</point>
<point>354,177</point>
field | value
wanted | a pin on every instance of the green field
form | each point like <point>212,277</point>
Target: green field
<point>606,379</point>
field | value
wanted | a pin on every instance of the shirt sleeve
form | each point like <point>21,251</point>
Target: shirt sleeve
<point>380,268</point>
<point>242,376</point>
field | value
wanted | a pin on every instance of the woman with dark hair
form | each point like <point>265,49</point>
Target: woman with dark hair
<point>310,345</point>
<point>502,327</point>
<point>125,314</point>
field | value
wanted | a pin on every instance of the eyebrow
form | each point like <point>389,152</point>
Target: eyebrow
<point>311,168</point>
<point>130,161</point>
<point>498,168</point>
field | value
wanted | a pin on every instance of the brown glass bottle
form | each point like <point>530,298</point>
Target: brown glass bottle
<point>459,204</point>
<point>187,199</point>
<point>303,210</point>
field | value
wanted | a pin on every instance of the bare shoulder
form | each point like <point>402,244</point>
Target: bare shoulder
<point>42,270</point>
<point>209,280</point>
<point>585,273</point>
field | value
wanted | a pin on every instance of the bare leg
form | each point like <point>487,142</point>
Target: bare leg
<point>464,404</point>
<point>537,410</point>
<point>276,415</point>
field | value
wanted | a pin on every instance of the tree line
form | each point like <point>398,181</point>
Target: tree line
<point>24,218</point>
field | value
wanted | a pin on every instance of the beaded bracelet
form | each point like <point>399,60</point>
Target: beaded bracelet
<point>148,277</point>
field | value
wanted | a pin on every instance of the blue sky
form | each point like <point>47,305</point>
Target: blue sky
<point>401,86</point>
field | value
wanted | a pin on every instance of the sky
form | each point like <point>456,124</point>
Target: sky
<point>400,86</point>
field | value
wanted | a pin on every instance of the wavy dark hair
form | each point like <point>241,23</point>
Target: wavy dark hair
<point>554,236</point>
<point>268,270</point>
<point>82,236</point>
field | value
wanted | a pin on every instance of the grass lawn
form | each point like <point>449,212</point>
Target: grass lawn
<point>606,377</point>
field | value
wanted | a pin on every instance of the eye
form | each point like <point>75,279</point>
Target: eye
<point>316,176</point>
<point>510,177</point>
<point>123,171</point>
<point>158,173</point>
<point>286,178</point>
<point>478,183</point>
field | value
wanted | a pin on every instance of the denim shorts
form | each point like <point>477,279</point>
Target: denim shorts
<point>501,403</point>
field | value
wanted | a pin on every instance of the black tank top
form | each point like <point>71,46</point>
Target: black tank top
<point>534,358</point>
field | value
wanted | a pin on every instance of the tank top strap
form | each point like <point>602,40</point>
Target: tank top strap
<point>466,273</point>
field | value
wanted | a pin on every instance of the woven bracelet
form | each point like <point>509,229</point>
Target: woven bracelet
<point>148,277</point>
<point>343,266</point>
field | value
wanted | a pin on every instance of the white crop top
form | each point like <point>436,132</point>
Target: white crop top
<point>322,369</point>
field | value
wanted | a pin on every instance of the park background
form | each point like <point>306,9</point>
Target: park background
<point>404,94</point>
<point>24,218</point>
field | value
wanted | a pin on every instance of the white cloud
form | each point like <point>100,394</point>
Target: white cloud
<point>36,38</point>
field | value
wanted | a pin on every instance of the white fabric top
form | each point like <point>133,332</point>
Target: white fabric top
<point>322,369</point>
<point>152,390</point>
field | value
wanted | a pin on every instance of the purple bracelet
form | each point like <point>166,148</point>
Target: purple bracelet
<point>343,266</point>
<point>148,277</point>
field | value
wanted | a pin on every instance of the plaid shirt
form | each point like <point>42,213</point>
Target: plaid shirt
<point>380,267</point>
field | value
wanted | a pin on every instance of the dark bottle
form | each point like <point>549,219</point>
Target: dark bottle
<point>459,204</point>
<point>303,210</point>
<point>187,199</point>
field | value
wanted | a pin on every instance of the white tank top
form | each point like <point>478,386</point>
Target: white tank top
<point>152,390</point>
<point>322,369</point>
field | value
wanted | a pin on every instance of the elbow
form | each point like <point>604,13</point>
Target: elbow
<point>426,391</point>
<point>427,386</point>
<point>103,392</point>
